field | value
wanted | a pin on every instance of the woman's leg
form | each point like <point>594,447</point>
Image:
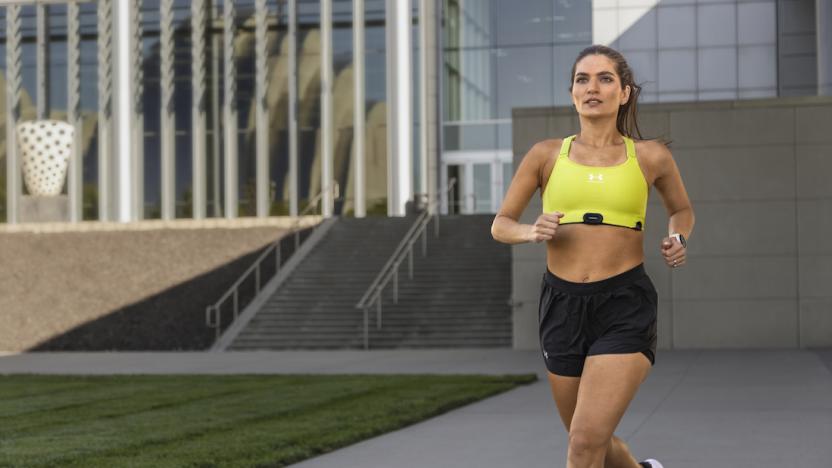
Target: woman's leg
<point>565,394</point>
<point>608,384</point>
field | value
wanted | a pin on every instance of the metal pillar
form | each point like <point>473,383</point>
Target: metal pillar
<point>359,131</point>
<point>137,72</point>
<point>198,117</point>
<point>41,68</point>
<point>261,110</point>
<point>217,119</point>
<point>75,187</point>
<point>167,119</point>
<point>105,110</point>
<point>399,114</point>
<point>230,108</point>
<point>326,108</point>
<point>293,107</point>
<point>13,85</point>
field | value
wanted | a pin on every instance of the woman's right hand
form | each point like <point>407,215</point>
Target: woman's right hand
<point>545,227</point>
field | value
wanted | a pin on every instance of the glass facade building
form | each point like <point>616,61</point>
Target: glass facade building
<point>211,77</point>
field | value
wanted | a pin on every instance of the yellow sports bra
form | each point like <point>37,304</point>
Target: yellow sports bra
<point>614,195</point>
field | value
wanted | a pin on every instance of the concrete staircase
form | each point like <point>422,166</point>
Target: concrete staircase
<point>458,297</point>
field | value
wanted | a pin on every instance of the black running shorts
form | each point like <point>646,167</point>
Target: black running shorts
<point>615,315</point>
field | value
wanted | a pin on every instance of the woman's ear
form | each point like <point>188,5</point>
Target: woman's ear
<point>627,90</point>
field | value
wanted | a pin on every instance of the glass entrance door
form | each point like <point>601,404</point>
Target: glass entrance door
<point>481,180</point>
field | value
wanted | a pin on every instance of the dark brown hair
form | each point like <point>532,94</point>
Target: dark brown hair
<point>627,120</point>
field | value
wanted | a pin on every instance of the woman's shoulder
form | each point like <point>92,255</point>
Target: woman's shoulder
<point>543,150</point>
<point>653,150</point>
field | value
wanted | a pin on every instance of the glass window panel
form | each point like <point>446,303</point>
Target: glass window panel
<point>717,25</point>
<point>676,26</point>
<point>470,85</point>
<point>524,78</point>
<point>469,24</point>
<point>757,23</point>
<point>482,188</point>
<point>524,22</point>
<point>470,136</point>
<point>718,69</point>
<point>572,21</point>
<point>758,66</point>
<point>677,70</point>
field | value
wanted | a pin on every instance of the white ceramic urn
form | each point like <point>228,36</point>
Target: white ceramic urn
<point>46,146</point>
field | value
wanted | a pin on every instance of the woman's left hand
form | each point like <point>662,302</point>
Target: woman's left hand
<point>673,252</point>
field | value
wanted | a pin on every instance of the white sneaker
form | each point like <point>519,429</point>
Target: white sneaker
<point>653,463</point>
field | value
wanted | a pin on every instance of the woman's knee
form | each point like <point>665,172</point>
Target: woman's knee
<point>584,441</point>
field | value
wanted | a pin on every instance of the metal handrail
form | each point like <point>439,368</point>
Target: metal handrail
<point>391,267</point>
<point>212,312</point>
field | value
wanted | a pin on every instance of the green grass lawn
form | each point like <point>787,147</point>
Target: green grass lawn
<point>206,421</point>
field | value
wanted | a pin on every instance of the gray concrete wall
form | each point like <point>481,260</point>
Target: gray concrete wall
<point>759,176</point>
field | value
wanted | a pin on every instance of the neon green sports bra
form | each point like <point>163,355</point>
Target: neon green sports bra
<point>614,195</point>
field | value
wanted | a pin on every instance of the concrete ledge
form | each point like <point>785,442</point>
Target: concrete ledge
<point>284,222</point>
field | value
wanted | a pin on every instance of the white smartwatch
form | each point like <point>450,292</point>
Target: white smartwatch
<point>679,237</point>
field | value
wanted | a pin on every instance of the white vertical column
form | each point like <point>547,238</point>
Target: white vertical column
<point>429,103</point>
<point>823,17</point>
<point>229,122</point>
<point>42,68</point>
<point>360,204</point>
<point>293,107</point>
<point>167,120</point>
<point>123,111</point>
<point>326,108</point>
<point>105,103</point>
<point>198,117</point>
<point>13,85</point>
<point>73,107</point>
<point>261,111</point>
<point>399,113</point>
<point>137,72</point>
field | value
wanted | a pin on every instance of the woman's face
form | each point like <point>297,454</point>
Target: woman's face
<point>596,87</point>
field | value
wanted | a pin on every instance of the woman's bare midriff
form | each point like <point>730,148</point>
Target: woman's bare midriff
<point>583,253</point>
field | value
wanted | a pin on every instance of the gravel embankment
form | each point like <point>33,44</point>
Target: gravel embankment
<point>134,290</point>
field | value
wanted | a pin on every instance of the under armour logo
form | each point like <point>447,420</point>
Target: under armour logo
<point>596,178</point>
<point>545,354</point>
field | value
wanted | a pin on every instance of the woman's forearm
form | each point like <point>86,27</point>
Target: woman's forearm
<point>682,222</point>
<point>509,231</point>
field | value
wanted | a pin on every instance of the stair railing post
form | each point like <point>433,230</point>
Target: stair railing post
<point>410,261</point>
<point>366,328</point>
<point>217,317</point>
<point>277,258</point>
<point>424,242</point>
<point>257,280</point>
<point>395,285</point>
<point>378,311</point>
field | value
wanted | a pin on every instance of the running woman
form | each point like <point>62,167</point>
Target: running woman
<point>597,310</point>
